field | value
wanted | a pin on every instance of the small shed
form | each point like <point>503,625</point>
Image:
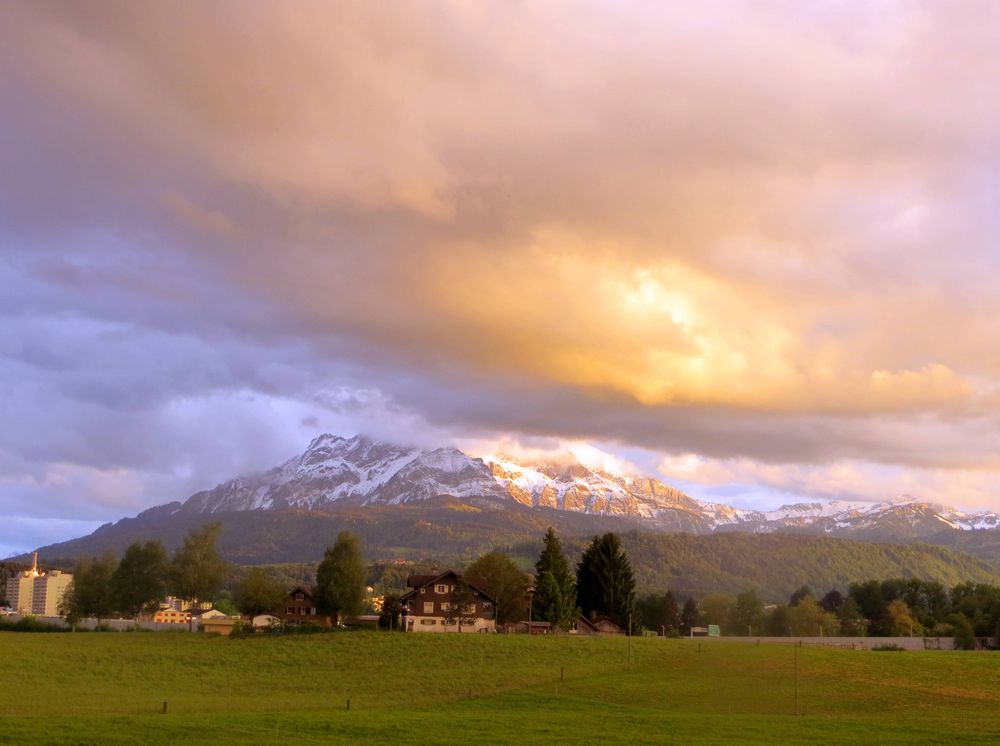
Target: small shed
<point>220,625</point>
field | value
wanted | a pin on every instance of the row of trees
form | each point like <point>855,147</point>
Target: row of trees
<point>602,584</point>
<point>896,607</point>
<point>104,587</point>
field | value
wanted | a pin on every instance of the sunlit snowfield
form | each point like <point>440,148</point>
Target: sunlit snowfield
<point>110,688</point>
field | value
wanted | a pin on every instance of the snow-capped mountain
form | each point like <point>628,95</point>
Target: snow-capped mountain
<point>577,488</point>
<point>360,471</point>
<point>903,515</point>
<point>356,470</point>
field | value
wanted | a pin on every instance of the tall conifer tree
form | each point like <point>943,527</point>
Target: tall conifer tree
<point>555,588</point>
<point>604,580</point>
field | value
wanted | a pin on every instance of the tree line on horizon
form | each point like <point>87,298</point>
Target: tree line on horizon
<point>898,607</point>
<point>138,583</point>
<point>602,583</point>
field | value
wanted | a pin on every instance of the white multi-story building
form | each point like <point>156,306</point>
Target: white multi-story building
<point>39,593</point>
<point>48,592</point>
<point>21,588</point>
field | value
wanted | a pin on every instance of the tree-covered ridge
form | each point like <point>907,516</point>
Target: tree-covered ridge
<point>775,565</point>
<point>438,534</point>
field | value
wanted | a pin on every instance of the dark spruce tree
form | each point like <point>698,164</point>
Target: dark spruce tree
<point>660,613</point>
<point>554,599</point>
<point>604,581</point>
<point>340,578</point>
<point>689,616</point>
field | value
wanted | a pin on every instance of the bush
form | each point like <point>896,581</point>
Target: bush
<point>30,624</point>
<point>890,647</point>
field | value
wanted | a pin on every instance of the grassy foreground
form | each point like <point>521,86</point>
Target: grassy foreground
<point>109,688</point>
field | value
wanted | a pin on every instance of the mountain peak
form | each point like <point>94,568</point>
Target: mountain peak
<point>362,471</point>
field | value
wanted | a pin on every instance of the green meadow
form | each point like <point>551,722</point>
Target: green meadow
<point>110,688</point>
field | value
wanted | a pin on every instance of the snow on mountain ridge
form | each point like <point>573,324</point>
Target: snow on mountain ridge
<point>363,471</point>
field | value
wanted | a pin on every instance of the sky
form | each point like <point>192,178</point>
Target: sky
<point>748,247</point>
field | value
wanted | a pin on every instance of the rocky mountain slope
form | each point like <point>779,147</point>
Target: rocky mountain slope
<point>361,471</point>
<point>432,502</point>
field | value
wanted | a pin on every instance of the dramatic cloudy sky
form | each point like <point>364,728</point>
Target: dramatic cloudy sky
<point>752,245</point>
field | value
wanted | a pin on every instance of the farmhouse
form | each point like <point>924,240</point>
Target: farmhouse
<point>300,608</point>
<point>447,602</point>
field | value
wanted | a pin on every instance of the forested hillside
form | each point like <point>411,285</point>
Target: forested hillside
<point>450,533</point>
<point>776,564</point>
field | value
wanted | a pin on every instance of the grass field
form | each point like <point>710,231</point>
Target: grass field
<point>471,689</point>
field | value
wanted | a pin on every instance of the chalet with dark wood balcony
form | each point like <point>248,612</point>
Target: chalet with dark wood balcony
<point>448,602</point>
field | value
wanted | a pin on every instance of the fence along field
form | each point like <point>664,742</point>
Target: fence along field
<point>383,687</point>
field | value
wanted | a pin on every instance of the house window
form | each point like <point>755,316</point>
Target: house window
<point>423,590</point>
<point>445,606</point>
<point>428,621</point>
<point>486,604</point>
<point>442,589</point>
<point>428,607</point>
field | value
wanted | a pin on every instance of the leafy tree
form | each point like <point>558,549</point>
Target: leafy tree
<point>506,582</point>
<point>340,578</point>
<point>224,603</point>
<point>689,616</point>
<point>258,593</point>
<point>832,602</point>
<point>965,637</point>
<point>139,582</point>
<point>716,608</point>
<point>980,604</point>
<point>554,599</point>
<point>659,613</point>
<point>390,615</point>
<point>197,570</point>
<point>903,622</point>
<point>808,619</point>
<point>851,621</point>
<point>90,594</point>
<point>778,623</point>
<point>748,614</point>
<point>797,597</point>
<point>604,580</point>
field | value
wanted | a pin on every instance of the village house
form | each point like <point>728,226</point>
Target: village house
<point>447,602</point>
<point>597,625</point>
<point>300,608</point>
<point>171,616</point>
<point>218,625</point>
